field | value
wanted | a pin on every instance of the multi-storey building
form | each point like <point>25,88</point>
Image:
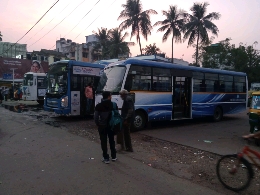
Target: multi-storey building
<point>12,50</point>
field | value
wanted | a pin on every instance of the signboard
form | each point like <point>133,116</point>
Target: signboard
<point>86,70</point>
<point>21,66</point>
<point>8,76</point>
<point>41,92</point>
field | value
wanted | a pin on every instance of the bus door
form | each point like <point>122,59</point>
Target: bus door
<point>85,80</point>
<point>181,94</point>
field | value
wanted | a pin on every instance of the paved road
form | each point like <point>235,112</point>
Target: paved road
<point>40,159</point>
<point>224,136</point>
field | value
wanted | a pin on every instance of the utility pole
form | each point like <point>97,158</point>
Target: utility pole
<point>13,75</point>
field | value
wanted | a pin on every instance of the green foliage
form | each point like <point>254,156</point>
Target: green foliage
<point>139,20</point>
<point>224,55</point>
<point>172,24</point>
<point>151,49</point>
<point>109,44</point>
<point>198,25</point>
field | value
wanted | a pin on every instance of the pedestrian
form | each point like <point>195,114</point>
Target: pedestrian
<point>1,96</point>
<point>6,94</point>
<point>102,116</point>
<point>127,113</point>
<point>89,97</point>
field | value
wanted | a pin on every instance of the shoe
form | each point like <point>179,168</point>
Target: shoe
<point>129,150</point>
<point>114,159</point>
<point>106,161</point>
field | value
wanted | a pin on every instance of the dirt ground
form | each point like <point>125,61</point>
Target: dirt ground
<point>185,162</point>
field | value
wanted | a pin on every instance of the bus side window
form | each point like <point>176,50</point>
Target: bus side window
<point>203,86</point>
<point>216,86</point>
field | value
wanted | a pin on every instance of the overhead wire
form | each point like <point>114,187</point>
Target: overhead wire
<point>79,21</point>
<point>58,23</point>
<point>32,27</point>
<point>95,19</point>
<point>49,21</point>
<point>83,18</point>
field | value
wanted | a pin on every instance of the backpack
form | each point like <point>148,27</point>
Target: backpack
<point>116,120</point>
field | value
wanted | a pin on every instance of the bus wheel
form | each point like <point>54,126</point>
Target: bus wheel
<point>139,121</point>
<point>41,102</point>
<point>218,114</point>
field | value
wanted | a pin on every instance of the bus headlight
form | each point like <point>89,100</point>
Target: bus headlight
<point>64,102</point>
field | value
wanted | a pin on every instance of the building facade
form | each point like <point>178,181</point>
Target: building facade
<point>73,51</point>
<point>49,56</point>
<point>12,50</point>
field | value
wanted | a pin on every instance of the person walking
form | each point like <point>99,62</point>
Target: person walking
<point>1,96</point>
<point>102,116</point>
<point>89,97</point>
<point>127,113</point>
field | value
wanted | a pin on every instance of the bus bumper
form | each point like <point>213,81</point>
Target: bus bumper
<point>59,111</point>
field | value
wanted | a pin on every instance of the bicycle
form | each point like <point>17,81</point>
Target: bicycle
<point>234,163</point>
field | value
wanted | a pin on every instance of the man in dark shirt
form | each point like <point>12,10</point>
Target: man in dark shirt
<point>127,114</point>
<point>102,116</point>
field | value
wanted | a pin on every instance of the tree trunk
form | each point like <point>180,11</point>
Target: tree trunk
<point>197,49</point>
<point>172,47</point>
<point>138,37</point>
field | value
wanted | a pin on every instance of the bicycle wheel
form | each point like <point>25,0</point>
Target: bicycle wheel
<point>235,174</point>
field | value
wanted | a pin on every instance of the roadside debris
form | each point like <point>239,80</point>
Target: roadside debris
<point>208,141</point>
<point>52,123</point>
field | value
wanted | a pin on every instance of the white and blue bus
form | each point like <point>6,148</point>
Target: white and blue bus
<point>34,87</point>
<point>65,94</point>
<point>165,91</point>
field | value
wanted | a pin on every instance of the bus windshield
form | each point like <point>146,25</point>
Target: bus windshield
<point>28,80</point>
<point>111,79</point>
<point>57,79</point>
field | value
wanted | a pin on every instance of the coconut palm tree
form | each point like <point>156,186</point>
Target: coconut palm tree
<point>196,29</point>
<point>151,49</point>
<point>137,19</point>
<point>102,41</point>
<point>172,24</point>
<point>117,44</point>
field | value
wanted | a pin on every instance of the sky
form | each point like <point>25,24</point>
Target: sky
<point>239,21</point>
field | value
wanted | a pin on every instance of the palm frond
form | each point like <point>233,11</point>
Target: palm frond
<point>166,34</point>
<point>212,16</point>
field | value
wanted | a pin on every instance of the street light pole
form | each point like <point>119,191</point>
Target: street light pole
<point>13,75</point>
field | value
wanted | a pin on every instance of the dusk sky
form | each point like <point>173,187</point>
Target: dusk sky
<point>239,21</point>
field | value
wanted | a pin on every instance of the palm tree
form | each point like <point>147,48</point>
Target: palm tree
<point>117,45</point>
<point>1,36</point>
<point>173,24</point>
<point>151,49</point>
<point>102,41</point>
<point>196,29</point>
<point>137,19</point>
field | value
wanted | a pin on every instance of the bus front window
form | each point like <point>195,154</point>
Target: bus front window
<point>112,79</point>
<point>57,79</point>
<point>28,80</point>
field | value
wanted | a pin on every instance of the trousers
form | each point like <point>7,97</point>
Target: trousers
<point>104,133</point>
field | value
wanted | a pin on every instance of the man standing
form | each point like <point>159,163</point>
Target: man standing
<point>102,116</point>
<point>89,97</point>
<point>127,114</point>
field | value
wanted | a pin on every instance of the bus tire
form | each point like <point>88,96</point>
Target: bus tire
<point>41,102</point>
<point>139,121</point>
<point>218,114</point>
